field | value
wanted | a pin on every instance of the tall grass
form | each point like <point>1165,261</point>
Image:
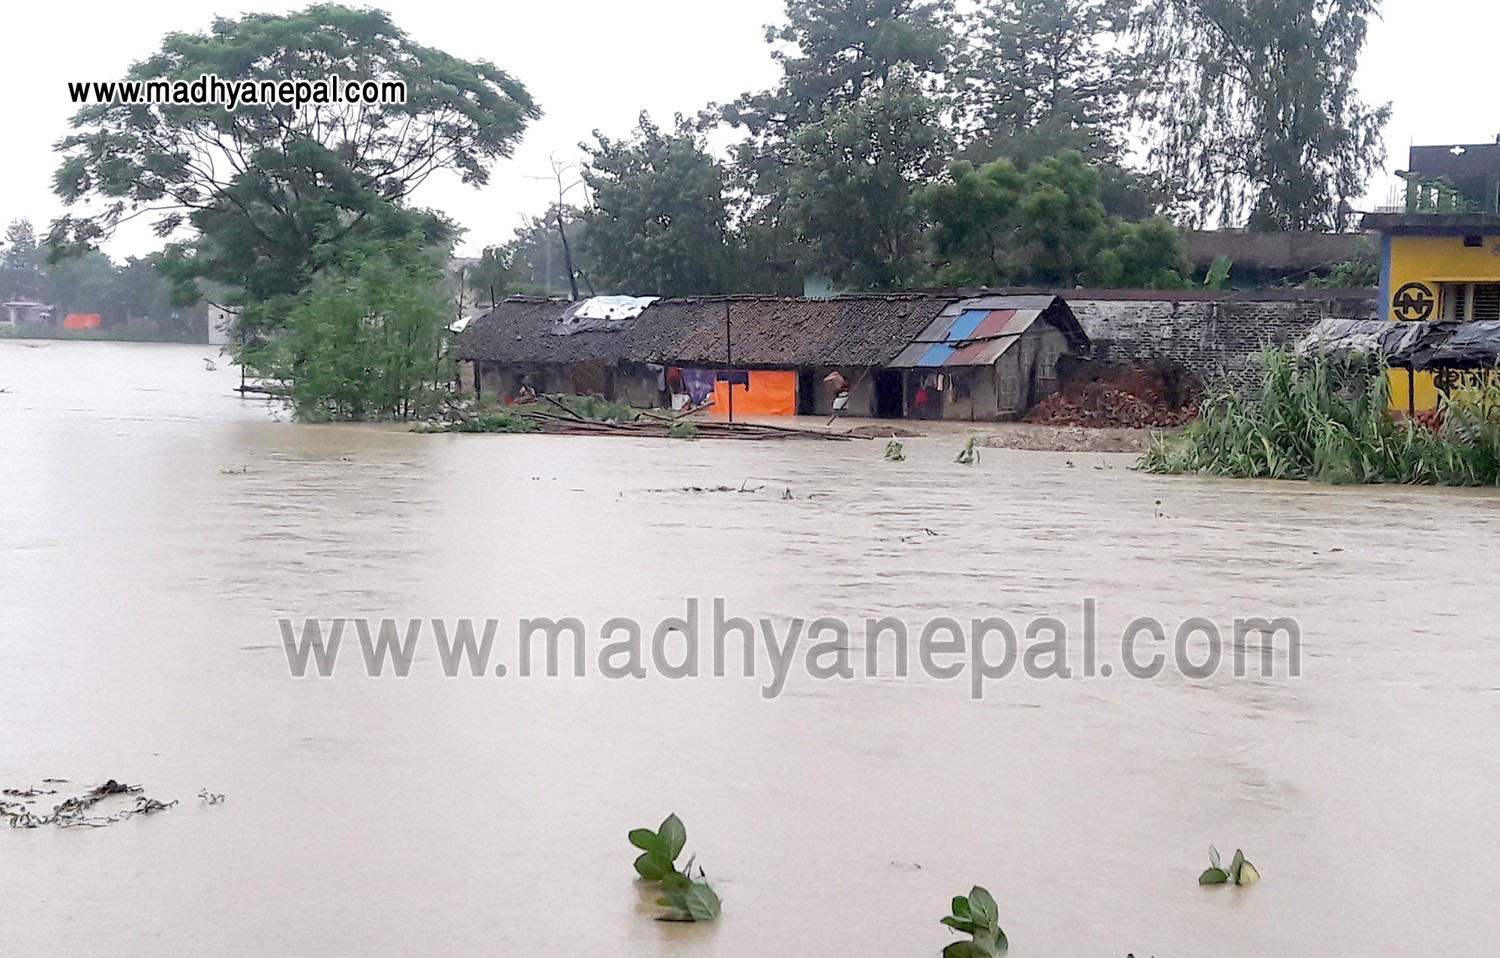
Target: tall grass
<point>1326,419</point>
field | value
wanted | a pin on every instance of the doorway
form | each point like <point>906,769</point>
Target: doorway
<point>807,392</point>
<point>890,401</point>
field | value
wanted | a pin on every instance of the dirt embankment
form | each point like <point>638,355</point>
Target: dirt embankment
<point>1043,438</point>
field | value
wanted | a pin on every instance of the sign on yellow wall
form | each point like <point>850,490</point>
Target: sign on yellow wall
<point>1420,265</point>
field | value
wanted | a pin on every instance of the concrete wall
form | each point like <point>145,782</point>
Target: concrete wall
<point>1274,252</point>
<point>1210,334</point>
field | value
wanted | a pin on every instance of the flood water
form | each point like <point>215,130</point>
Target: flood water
<point>154,528</point>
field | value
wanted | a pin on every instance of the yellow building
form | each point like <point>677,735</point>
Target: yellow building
<point>1440,255</point>
<point>1436,268</point>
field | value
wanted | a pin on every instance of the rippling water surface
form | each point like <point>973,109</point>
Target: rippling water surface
<point>153,528</point>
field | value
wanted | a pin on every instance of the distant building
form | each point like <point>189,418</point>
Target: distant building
<point>928,355</point>
<point>1440,255</point>
<point>221,320</point>
<point>25,312</point>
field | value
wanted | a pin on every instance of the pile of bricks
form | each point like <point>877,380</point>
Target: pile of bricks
<point>1133,399</point>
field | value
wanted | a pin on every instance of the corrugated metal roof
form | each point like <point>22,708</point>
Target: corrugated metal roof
<point>978,331</point>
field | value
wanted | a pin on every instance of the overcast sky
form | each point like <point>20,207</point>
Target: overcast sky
<point>595,64</point>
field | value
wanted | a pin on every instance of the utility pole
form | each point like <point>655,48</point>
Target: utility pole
<point>728,360</point>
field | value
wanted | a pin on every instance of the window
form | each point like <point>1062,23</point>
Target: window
<point>1463,302</point>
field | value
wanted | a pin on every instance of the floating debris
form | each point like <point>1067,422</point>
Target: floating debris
<point>894,451</point>
<point>970,454</point>
<point>78,811</point>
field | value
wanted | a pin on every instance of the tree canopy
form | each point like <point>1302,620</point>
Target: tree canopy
<point>659,221</point>
<point>1255,114</point>
<point>270,193</point>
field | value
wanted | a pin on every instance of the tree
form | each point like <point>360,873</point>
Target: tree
<point>86,283</point>
<point>853,174</point>
<point>1045,76</point>
<point>659,223</point>
<point>1146,255</point>
<point>1254,107</point>
<point>20,262</point>
<point>273,193</point>
<point>832,53</point>
<point>974,221</point>
<point>364,340</point>
<point>535,257</point>
<point>997,225</point>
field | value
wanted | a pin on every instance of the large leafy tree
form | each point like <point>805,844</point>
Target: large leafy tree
<point>998,225</point>
<point>270,195</point>
<point>364,340</point>
<point>659,222</point>
<point>853,173</point>
<point>1255,110</point>
<point>832,53</point>
<point>1044,76</point>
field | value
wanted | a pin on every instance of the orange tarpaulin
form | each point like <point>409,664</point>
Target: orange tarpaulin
<point>770,393</point>
<point>81,321</point>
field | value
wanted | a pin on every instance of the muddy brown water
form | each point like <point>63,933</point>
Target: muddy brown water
<point>153,528</point>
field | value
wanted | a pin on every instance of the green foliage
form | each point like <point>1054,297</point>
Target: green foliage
<point>1361,272</point>
<point>832,52</point>
<point>659,223</point>
<point>490,420</point>
<point>1240,871</point>
<point>997,225</point>
<point>1255,115</point>
<point>977,916</point>
<point>594,408</point>
<point>274,196</point>
<point>835,55</point>
<point>1321,418</point>
<point>894,451</point>
<point>974,222</point>
<point>21,260</point>
<point>682,429</point>
<point>686,898</point>
<point>363,343</point>
<point>1062,219</point>
<point>533,260</point>
<point>854,171</point>
<point>1047,76</point>
<point>1147,255</point>
<point>1218,272</point>
<point>969,455</point>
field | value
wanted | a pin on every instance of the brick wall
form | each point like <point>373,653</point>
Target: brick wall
<point>1209,334</point>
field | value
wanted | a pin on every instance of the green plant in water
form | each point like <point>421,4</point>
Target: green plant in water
<point>977,916</point>
<point>681,429</point>
<point>685,897</point>
<point>894,452</point>
<point>496,420</point>
<point>1240,871</point>
<point>1323,418</point>
<point>970,453</point>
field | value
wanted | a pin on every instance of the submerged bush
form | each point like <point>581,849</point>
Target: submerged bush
<point>1323,418</point>
<point>497,420</point>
